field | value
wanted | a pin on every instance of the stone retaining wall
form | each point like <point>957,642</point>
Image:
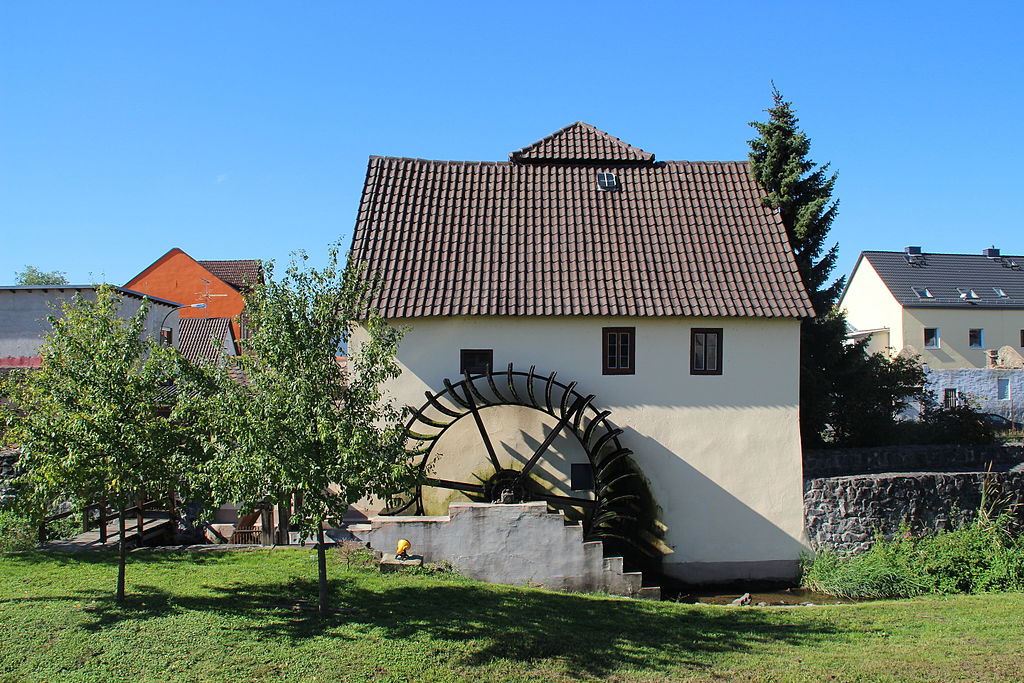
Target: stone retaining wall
<point>850,461</point>
<point>844,513</point>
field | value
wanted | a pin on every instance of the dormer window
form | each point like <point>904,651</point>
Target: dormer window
<point>607,181</point>
<point>923,293</point>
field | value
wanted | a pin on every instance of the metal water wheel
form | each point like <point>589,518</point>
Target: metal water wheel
<point>621,512</point>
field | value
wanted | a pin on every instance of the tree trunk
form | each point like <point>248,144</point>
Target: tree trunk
<point>120,557</point>
<point>321,561</point>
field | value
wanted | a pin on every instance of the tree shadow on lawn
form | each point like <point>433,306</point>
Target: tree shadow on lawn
<point>595,637</point>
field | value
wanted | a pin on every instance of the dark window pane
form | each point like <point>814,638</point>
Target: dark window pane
<point>475,361</point>
<point>581,477</point>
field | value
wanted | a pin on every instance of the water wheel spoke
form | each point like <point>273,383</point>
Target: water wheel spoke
<point>491,455</point>
<point>552,435</point>
<point>455,485</point>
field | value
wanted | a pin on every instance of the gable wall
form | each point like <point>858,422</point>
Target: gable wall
<point>721,453</point>
<point>870,305</point>
<point>178,277</point>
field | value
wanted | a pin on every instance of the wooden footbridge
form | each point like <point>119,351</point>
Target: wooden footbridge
<point>143,523</point>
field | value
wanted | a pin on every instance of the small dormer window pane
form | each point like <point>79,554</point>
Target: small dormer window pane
<point>607,181</point>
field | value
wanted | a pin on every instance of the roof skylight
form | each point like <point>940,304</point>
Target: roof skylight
<point>607,181</point>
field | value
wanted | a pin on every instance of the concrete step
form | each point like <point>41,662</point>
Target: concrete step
<point>649,593</point>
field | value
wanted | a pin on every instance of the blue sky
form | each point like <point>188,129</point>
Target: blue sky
<point>242,129</point>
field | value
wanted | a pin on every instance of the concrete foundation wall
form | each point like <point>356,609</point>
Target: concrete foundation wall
<point>519,544</point>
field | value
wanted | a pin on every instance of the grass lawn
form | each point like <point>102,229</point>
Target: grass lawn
<point>234,617</point>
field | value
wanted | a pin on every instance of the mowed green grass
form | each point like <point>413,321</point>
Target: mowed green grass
<point>240,616</point>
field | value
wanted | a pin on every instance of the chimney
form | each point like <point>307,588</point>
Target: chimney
<point>991,252</point>
<point>913,251</point>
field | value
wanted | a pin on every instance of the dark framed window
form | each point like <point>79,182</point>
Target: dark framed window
<point>976,338</point>
<point>166,337</point>
<point>475,361</point>
<point>618,350</point>
<point>950,398</point>
<point>706,351</point>
<point>581,477</point>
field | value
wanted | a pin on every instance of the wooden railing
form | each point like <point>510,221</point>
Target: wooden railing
<point>107,514</point>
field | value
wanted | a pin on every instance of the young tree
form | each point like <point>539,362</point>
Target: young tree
<point>300,424</point>
<point>845,394</point>
<point>801,191</point>
<point>33,276</point>
<point>88,421</point>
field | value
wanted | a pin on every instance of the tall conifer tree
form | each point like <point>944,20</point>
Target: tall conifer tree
<point>801,191</point>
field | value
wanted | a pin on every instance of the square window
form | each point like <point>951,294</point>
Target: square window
<point>706,351</point>
<point>976,338</point>
<point>931,338</point>
<point>1003,388</point>
<point>475,361</point>
<point>581,477</point>
<point>618,350</point>
<point>949,398</point>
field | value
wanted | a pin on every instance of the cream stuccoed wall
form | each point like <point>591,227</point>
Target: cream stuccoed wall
<point>1002,328</point>
<point>869,305</point>
<point>721,452</point>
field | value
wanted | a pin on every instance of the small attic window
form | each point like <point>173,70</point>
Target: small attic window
<point>923,293</point>
<point>607,181</point>
<point>967,293</point>
<point>1000,292</point>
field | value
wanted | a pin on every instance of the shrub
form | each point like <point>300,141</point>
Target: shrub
<point>982,556</point>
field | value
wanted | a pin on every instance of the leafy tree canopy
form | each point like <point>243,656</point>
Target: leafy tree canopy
<point>301,422</point>
<point>93,422</point>
<point>33,276</point>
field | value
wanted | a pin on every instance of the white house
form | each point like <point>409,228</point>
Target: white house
<point>661,292</point>
<point>962,314</point>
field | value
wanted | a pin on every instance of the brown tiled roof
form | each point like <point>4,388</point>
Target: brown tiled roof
<point>580,142</point>
<point>202,339</point>
<point>240,274</point>
<point>497,238</point>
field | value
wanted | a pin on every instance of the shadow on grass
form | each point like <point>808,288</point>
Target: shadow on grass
<point>483,622</point>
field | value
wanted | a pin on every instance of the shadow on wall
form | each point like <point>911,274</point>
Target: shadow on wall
<point>715,535</point>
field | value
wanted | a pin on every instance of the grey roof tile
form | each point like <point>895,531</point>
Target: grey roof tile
<point>944,275</point>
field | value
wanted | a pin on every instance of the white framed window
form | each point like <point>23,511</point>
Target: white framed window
<point>932,337</point>
<point>1003,388</point>
<point>976,338</point>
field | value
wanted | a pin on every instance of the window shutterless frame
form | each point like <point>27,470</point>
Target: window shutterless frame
<point>706,351</point>
<point>475,361</point>
<point>618,350</point>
